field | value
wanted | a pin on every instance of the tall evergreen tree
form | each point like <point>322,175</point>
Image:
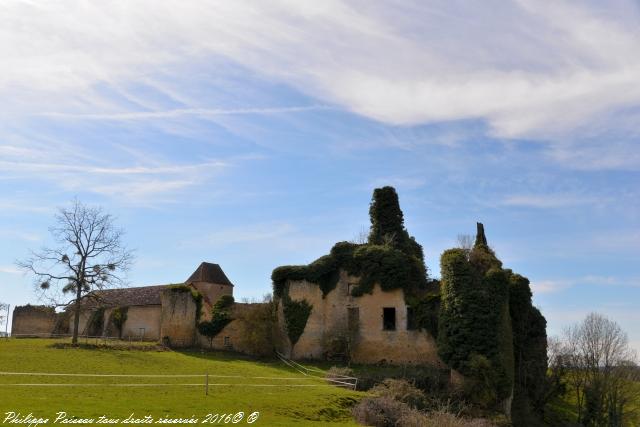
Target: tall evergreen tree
<point>475,327</point>
<point>387,223</point>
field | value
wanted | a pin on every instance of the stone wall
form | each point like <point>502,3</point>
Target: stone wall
<point>178,318</point>
<point>212,292</point>
<point>146,317</point>
<point>330,330</point>
<point>240,335</point>
<point>33,320</point>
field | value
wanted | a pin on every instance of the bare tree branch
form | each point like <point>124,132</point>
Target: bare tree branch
<point>89,257</point>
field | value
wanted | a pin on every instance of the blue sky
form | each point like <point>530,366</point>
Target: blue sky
<point>252,134</point>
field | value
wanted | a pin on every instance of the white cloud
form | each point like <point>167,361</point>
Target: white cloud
<point>8,269</point>
<point>248,234</point>
<point>531,69</point>
<point>191,112</point>
<point>557,285</point>
<point>544,201</point>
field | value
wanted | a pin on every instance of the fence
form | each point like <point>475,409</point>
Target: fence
<point>336,379</point>
<point>205,380</point>
<point>85,337</point>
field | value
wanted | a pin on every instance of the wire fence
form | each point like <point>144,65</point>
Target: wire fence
<point>310,377</point>
<point>336,379</point>
<point>86,338</point>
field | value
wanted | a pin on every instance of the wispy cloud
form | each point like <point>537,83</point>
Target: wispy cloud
<point>544,201</point>
<point>8,269</point>
<point>246,234</point>
<point>562,67</point>
<point>185,112</point>
<point>558,285</point>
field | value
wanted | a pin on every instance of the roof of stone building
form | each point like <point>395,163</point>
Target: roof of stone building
<point>209,273</point>
<point>144,295</point>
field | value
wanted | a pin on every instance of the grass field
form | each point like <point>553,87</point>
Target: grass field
<point>278,406</point>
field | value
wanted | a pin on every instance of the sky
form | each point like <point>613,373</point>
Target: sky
<point>252,134</point>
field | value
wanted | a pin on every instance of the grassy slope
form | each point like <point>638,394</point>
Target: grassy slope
<point>277,406</point>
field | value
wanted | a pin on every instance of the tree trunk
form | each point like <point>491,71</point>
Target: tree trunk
<point>76,317</point>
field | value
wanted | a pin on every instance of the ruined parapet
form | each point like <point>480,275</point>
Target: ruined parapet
<point>35,320</point>
<point>178,317</point>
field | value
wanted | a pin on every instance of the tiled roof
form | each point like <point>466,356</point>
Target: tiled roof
<point>144,295</point>
<point>209,273</point>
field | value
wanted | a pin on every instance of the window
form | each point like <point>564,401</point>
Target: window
<point>389,318</point>
<point>350,287</point>
<point>227,342</point>
<point>353,319</point>
<point>411,319</point>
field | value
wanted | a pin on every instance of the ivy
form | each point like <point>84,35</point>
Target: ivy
<point>475,319</point>
<point>96,322</point>
<point>391,257</point>
<point>119,317</point>
<point>296,314</point>
<point>490,331</point>
<point>220,317</point>
<point>387,223</point>
<point>388,266</point>
<point>426,311</point>
<point>530,352</point>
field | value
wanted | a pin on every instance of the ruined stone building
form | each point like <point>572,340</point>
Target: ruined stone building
<point>143,310</point>
<point>374,327</point>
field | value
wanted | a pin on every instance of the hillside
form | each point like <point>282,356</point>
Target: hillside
<point>316,404</point>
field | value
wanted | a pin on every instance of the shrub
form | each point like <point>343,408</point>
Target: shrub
<point>338,373</point>
<point>402,391</point>
<point>379,411</point>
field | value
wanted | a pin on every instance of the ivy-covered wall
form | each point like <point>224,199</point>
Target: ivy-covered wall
<point>489,330</point>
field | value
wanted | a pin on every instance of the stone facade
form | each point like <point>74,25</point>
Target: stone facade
<point>237,335</point>
<point>372,328</point>
<point>178,318</point>
<point>343,325</point>
<point>35,320</point>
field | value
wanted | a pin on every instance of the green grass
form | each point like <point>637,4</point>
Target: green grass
<point>278,406</point>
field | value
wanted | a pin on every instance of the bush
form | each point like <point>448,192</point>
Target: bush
<point>402,391</point>
<point>387,412</point>
<point>380,411</point>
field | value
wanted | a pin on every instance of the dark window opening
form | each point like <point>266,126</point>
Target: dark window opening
<point>350,287</point>
<point>353,319</point>
<point>389,318</point>
<point>411,319</point>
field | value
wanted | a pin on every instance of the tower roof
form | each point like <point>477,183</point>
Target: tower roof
<point>209,273</point>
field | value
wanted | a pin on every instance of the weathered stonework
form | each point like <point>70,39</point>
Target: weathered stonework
<point>178,318</point>
<point>331,329</point>
<point>36,320</point>
<point>236,335</point>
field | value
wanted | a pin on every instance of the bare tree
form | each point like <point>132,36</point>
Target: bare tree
<point>90,256</point>
<point>602,369</point>
<point>466,242</point>
<point>362,237</point>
